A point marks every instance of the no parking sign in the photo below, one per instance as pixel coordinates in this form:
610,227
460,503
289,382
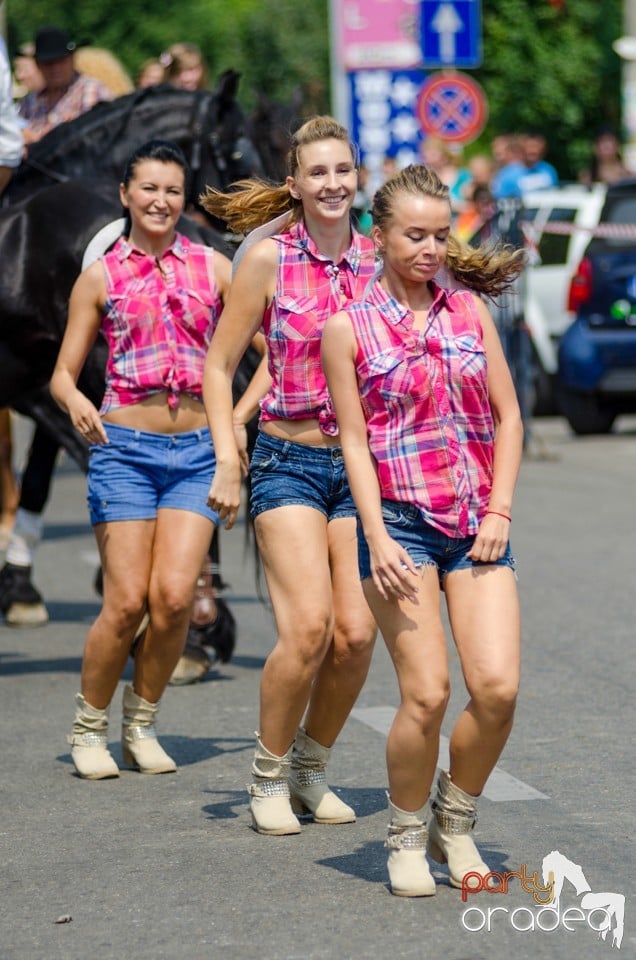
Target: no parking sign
452,107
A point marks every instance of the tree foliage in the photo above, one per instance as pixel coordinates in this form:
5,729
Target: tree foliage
546,66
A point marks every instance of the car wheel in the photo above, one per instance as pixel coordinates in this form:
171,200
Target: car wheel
584,412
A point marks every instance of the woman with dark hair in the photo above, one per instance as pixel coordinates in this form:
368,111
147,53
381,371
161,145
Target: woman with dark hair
156,297
432,438
300,268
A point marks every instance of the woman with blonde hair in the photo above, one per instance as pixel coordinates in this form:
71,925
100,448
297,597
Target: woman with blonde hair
432,439
299,269
185,67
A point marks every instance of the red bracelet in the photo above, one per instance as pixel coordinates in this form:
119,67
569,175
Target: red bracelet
497,514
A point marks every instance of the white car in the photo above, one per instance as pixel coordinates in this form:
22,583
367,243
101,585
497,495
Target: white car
556,227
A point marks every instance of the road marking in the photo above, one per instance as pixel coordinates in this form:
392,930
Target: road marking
501,786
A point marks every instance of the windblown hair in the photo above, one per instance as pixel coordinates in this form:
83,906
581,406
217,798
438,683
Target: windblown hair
251,203
488,269
103,65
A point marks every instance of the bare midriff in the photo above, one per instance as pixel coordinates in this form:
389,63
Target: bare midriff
154,415
299,431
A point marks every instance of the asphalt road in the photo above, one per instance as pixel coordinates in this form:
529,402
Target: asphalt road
167,867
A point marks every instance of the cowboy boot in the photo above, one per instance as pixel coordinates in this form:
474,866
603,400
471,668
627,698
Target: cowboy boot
409,873
269,793
140,747
89,742
449,841
308,783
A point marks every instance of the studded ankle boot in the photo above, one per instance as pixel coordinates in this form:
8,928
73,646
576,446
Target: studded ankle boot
269,793
89,742
140,747
409,872
308,783
454,817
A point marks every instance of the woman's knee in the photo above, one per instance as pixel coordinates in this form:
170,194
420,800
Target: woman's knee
307,638
354,639
123,608
427,706
496,695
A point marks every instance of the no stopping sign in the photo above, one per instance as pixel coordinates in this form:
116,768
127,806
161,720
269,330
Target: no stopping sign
452,107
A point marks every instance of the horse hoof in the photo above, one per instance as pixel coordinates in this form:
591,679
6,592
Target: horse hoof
192,666
20,602
27,615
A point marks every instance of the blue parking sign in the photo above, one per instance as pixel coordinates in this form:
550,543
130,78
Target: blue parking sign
450,33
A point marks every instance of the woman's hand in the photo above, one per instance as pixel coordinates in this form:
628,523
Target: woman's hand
491,540
393,572
225,493
85,418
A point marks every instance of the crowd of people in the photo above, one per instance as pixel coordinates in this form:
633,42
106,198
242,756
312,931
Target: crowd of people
382,477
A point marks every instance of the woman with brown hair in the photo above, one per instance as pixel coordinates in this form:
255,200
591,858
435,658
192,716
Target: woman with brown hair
299,269
432,439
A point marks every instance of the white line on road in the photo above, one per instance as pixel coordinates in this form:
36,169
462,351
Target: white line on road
500,786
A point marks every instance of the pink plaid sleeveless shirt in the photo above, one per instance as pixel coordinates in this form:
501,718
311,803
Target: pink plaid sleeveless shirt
425,401
309,289
159,319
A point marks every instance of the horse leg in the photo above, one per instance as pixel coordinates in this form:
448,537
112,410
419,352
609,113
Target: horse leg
20,602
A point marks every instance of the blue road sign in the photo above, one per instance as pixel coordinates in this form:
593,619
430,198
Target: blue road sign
383,119
450,33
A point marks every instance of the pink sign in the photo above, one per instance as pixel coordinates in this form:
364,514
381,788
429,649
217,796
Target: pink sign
378,33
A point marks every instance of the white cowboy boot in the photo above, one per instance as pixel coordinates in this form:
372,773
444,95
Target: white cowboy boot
89,742
449,841
409,872
308,783
140,747
269,793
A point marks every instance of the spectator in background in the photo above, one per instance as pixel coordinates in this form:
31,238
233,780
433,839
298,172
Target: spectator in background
150,73
10,136
66,93
185,67
27,76
480,206
436,155
538,173
607,163
506,181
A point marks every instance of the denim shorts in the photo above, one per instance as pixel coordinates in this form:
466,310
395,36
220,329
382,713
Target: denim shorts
285,474
137,473
425,544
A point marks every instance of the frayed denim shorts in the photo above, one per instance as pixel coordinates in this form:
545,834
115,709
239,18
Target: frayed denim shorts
285,474
138,473
425,544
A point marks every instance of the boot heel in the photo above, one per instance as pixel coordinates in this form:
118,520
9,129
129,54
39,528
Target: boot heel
127,757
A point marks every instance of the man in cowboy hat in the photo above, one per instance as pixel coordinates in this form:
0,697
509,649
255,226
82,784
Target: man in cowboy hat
66,93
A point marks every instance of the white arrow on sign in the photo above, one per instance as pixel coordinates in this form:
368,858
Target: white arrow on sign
446,23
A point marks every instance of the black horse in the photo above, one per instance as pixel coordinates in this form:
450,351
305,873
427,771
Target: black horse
43,237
